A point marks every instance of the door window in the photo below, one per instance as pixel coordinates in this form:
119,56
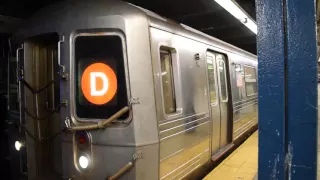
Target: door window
222,76
211,79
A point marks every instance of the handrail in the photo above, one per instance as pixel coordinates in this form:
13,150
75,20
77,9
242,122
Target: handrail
100,124
121,171
59,54
19,84
19,97
8,76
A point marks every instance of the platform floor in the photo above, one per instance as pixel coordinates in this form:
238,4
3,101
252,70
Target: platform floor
242,164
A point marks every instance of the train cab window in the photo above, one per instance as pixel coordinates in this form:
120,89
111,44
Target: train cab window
168,89
100,89
222,76
211,78
250,80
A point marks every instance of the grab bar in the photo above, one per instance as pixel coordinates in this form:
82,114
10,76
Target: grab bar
59,53
19,83
62,74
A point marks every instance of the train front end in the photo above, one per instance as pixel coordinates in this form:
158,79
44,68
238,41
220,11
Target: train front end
87,107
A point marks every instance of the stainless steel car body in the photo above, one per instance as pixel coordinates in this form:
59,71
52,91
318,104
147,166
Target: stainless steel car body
163,146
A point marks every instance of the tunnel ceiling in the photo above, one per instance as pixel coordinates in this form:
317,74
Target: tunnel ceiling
204,15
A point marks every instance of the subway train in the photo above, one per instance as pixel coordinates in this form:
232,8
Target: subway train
109,90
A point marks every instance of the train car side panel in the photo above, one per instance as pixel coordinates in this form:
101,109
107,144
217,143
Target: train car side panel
182,108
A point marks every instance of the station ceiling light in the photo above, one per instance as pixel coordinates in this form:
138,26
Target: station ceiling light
234,9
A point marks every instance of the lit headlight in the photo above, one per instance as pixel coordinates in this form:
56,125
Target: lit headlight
83,162
18,145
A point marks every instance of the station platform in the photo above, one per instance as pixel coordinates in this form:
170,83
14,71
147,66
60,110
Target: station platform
242,164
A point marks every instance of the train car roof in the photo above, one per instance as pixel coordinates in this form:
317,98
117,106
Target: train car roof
166,24
54,16
61,16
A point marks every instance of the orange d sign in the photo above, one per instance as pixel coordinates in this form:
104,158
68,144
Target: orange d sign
99,83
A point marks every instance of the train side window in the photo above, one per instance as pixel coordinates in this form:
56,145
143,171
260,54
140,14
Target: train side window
168,89
222,76
239,77
250,80
211,78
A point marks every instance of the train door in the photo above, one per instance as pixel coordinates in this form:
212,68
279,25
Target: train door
218,96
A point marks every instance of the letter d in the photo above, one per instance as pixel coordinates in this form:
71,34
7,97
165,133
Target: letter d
93,84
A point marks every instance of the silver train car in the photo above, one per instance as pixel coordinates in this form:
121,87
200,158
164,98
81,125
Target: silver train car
109,90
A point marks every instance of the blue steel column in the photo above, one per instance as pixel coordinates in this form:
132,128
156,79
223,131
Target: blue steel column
302,89
287,74
271,87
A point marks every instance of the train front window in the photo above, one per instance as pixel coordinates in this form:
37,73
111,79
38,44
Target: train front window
100,76
250,80
167,82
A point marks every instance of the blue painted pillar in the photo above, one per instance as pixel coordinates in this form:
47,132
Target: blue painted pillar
287,74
